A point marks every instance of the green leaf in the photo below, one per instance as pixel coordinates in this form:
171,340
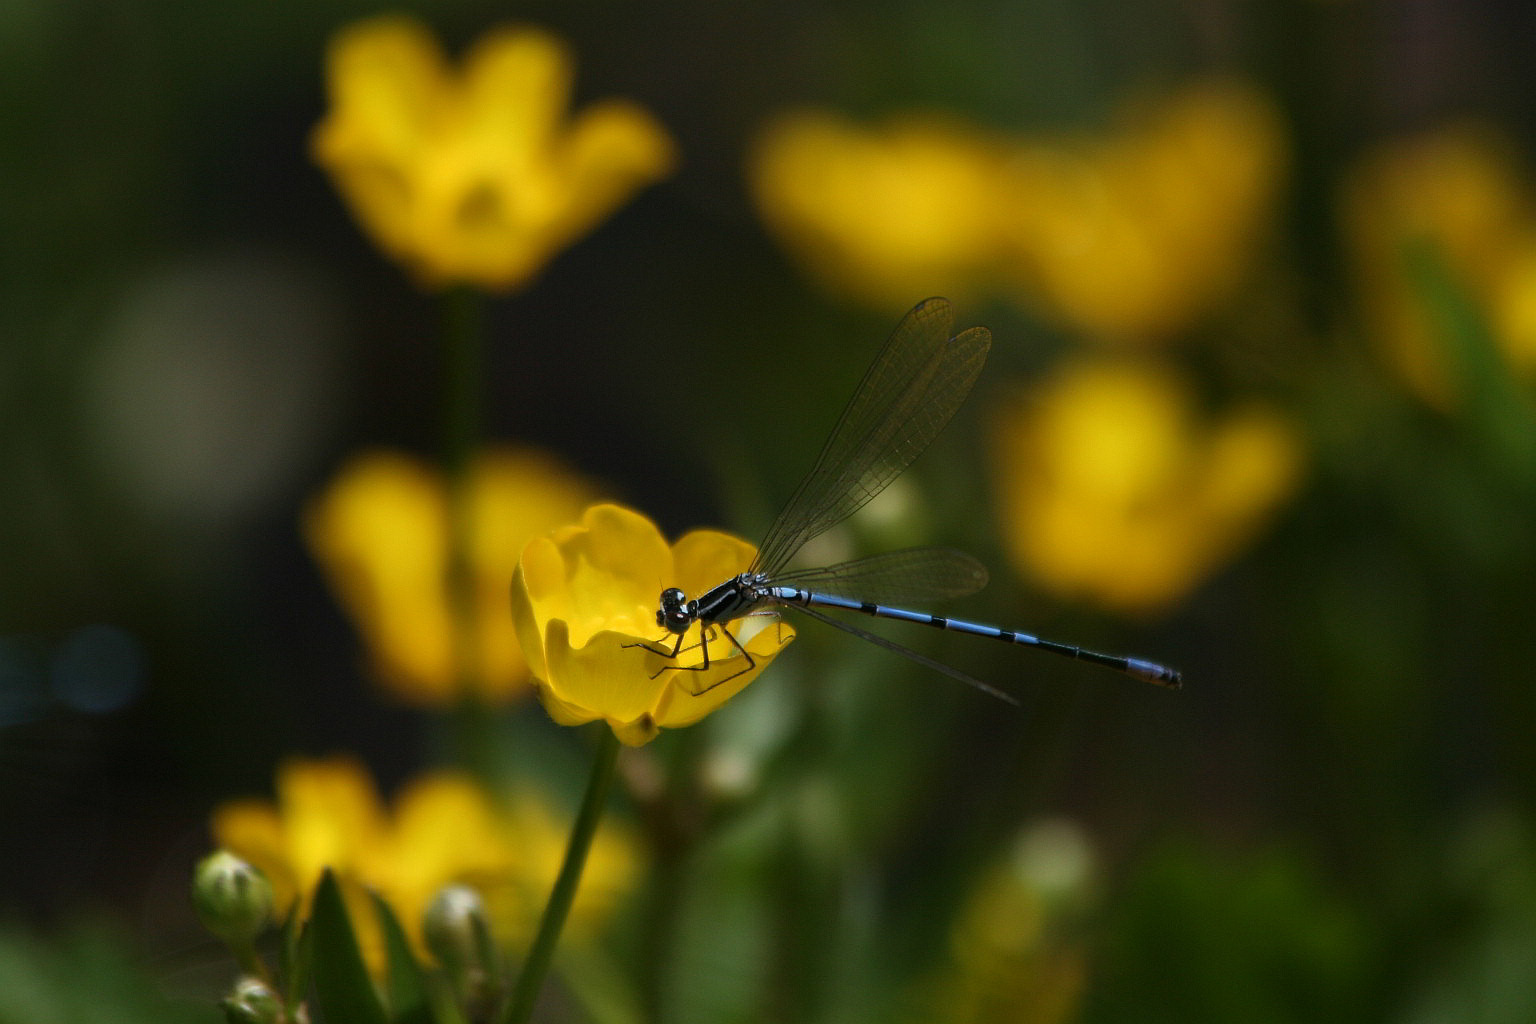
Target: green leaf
407,991
343,990
295,942
1495,405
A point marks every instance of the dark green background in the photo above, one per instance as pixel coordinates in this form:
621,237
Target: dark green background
1333,821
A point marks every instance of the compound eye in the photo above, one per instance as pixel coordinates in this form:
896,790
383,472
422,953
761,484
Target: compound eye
674,613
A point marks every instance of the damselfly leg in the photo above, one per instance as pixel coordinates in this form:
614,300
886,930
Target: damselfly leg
911,391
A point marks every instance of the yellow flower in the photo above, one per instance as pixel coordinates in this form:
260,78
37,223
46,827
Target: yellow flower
443,829
882,213
380,530
1135,235
1130,236
471,175
1111,491
586,591
1457,192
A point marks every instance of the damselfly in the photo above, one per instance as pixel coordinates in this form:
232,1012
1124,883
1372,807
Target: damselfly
910,392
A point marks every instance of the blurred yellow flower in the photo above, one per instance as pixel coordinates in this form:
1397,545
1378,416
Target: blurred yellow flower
884,213
443,829
1112,492
472,175
1460,193
380,531
1130,236
586,591
1135,235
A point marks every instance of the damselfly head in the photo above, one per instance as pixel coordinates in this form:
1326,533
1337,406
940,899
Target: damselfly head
674,614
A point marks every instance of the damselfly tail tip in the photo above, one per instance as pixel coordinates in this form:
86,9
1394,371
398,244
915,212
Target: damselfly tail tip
1151,672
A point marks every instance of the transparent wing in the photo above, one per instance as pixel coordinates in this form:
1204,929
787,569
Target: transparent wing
909,394
912,576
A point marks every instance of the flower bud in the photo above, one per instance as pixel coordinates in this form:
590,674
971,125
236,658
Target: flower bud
252,1001
458,933
232,898
456,928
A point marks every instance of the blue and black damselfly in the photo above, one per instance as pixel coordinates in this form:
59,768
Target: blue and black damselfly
910,392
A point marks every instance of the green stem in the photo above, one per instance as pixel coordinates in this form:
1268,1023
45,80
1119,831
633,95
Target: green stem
525,993
251,963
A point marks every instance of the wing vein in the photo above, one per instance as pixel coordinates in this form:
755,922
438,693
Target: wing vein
917,382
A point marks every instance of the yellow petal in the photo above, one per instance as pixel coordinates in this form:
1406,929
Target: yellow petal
445,825
1135,234
445,830
515,494
473,177
388,85
637,733
907,208
1113,492
251,829
387,78
586,598
331,813
379,532
601,678
539,594
696,694
517,83
611,149
616,567
706,558
562,712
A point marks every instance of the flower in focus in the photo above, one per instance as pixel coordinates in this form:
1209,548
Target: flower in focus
584,592
472,175
380,530
1459,194
1135,235
443,829
1112,492
884,213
